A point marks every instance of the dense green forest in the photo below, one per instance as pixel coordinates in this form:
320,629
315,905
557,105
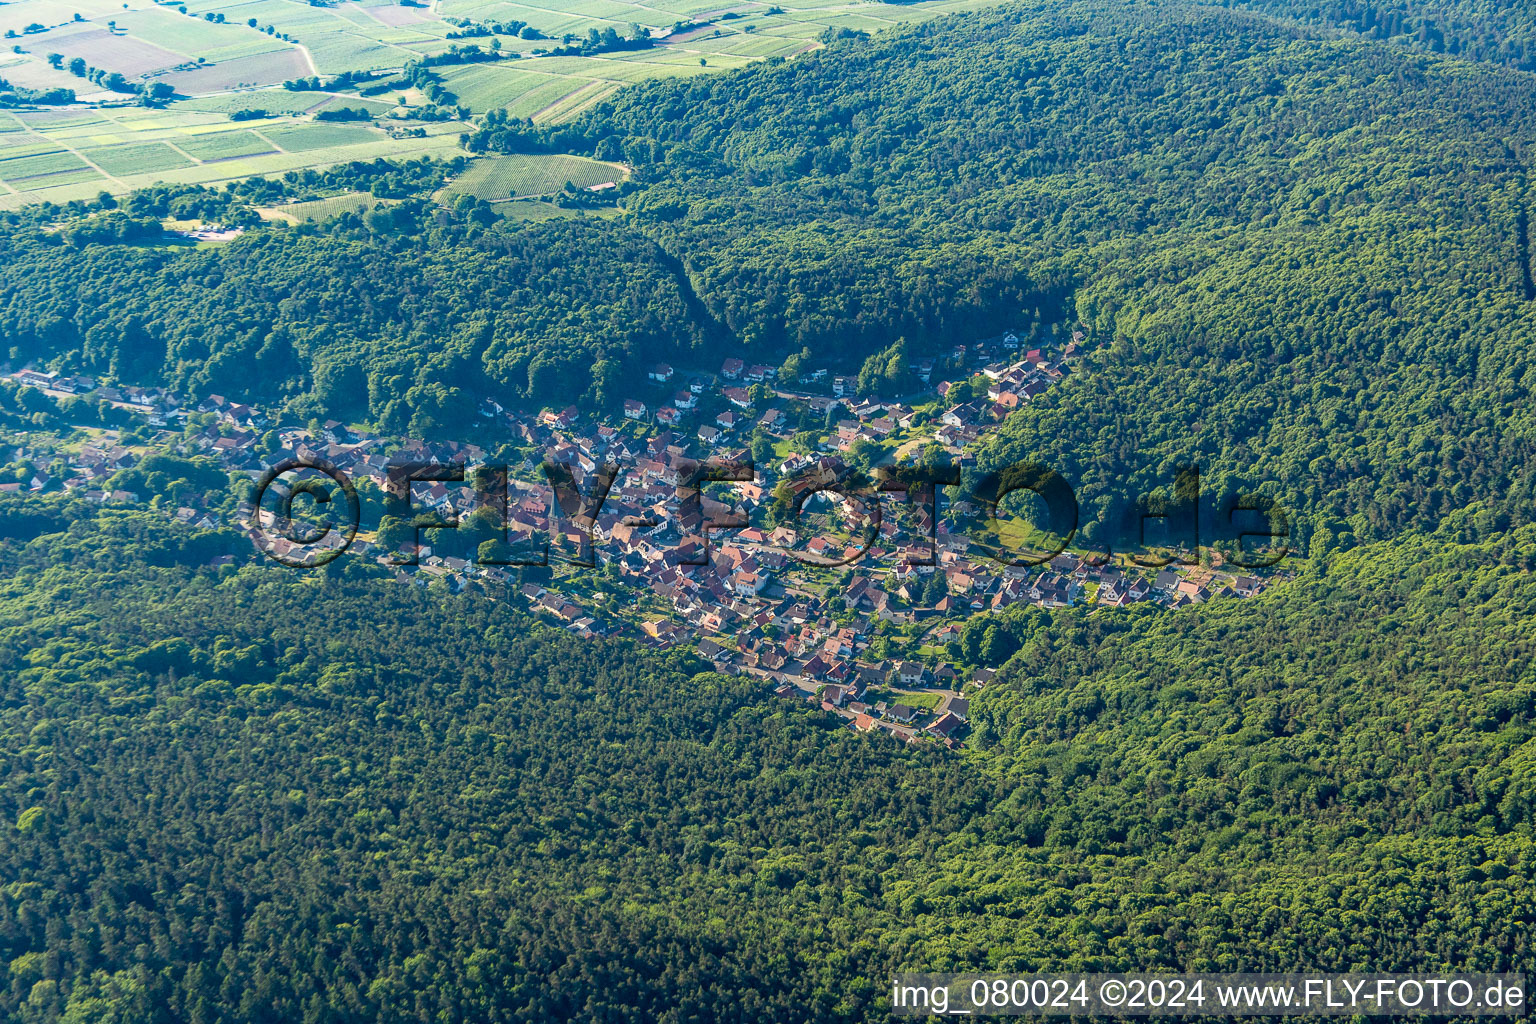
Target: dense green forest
1497,31
247,794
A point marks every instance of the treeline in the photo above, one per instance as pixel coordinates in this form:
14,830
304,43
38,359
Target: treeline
12,96
606,41
554,311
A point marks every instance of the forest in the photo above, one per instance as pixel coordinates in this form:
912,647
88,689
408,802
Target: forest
248,794
243,793
1500,32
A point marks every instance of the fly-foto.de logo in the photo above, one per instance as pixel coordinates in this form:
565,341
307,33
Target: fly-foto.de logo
307,512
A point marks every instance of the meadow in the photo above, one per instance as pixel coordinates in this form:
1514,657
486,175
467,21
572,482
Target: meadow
324,209
522,176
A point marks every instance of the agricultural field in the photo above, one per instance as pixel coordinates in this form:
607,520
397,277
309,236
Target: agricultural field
307,138
344,36
59,155
539,210
140,158
146,42
498,178
324,209
224,56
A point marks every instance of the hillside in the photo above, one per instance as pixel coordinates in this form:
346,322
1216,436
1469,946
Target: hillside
236,793
1308,258
437,807
1501,32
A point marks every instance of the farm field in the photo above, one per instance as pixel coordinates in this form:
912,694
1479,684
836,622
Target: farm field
557,88
141,158
324,209
538,210
224,56
59,155
146,42
506,177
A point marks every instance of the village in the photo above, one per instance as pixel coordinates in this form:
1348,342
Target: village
868,617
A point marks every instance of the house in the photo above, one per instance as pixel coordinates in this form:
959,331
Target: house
908,673
1113,596
714,652
634,410
900,713
563,419
872,675
748,584
957,706
945,724
738,397
727,420
1192,590
684,399
668,416
660,373
731,369
959,416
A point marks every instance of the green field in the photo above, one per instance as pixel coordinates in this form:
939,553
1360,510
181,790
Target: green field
143,158
307,138
13,168
274,101
324,209
499,178
44,153
223,145
192,139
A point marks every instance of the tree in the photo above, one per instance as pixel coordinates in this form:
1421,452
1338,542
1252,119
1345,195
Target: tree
793,365
762,449
394,532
